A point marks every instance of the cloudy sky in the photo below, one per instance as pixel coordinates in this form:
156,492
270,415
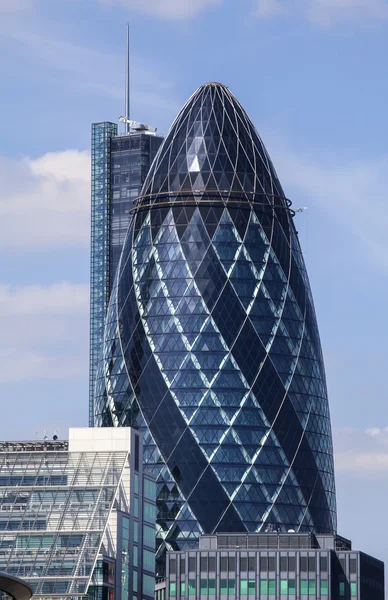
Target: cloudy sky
313,76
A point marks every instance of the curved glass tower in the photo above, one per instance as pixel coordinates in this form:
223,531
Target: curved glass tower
211,341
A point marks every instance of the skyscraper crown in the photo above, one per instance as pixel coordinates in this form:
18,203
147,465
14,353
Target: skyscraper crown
213,148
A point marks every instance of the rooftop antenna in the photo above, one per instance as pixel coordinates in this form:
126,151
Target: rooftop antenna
127,85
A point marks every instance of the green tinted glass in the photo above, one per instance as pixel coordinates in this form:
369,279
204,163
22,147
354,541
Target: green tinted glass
303,587
324,589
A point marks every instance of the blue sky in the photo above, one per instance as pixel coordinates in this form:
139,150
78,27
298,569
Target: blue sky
313,76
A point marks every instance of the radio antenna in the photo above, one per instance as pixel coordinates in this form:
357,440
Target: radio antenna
127,85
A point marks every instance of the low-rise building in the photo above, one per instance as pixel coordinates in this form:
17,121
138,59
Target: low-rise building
77,517
274,566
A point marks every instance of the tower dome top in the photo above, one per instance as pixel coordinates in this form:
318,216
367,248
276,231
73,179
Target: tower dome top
213,146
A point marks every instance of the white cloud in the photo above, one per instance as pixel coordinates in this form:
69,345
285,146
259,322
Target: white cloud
352,193
44,331
167,9
22,366
270,8
45,201
363,454
57,299
326,12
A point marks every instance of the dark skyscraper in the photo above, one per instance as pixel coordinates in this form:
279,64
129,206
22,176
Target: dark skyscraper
120,164
211,344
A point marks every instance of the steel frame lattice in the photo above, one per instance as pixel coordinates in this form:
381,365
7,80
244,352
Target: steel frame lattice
211,342
54,509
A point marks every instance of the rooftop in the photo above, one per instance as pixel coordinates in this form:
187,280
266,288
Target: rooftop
35,446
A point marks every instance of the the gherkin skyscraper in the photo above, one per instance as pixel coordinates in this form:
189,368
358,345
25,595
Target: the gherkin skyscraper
211,341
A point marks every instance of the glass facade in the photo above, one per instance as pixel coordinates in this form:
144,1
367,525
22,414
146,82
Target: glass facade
119,167
211,342
102,133
68,519
131,158
273,567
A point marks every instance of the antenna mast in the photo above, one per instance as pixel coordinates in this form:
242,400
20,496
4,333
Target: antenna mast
127,85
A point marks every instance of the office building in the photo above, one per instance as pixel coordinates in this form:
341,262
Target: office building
274,566
77,517
211,343
120,164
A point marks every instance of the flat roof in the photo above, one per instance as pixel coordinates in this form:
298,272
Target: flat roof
35,446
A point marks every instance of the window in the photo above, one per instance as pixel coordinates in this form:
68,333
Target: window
136,486
243,586
342,589
149,489
212,587
323,563
172,588
149,585
172,566
135,556
284,586
311,563
252,587
243,563
203,586
231,586
183,566
353,565
183,588
149,511
283,563
135,531
191,587
264,586
312,587
149,534
134,581
303,587
353,589
136,507
148,560
137,452
291,587
192,563
224,586
271,587
324,588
